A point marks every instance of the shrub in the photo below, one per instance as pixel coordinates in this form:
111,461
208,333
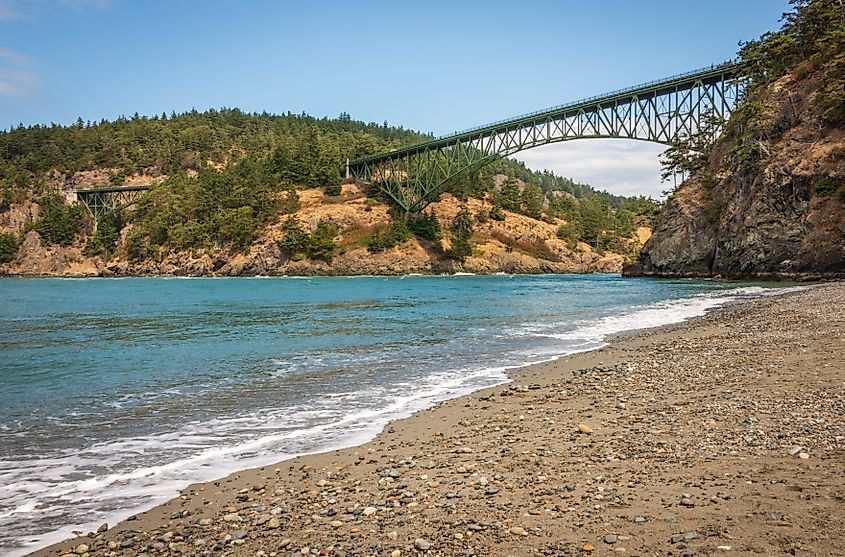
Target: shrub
321,244
238,226
826,186
569,232
482,216
334,189
6,199
135,246
426,226
397,233
105,238
58,223
8,246
496,213
295,240
291,204
461,233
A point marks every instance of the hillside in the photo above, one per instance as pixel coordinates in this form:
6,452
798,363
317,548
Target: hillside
768,200
516,244
240,194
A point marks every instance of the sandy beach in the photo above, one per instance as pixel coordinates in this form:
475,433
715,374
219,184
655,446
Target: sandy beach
721,436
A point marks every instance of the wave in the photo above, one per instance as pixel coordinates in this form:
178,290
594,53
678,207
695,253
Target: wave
75,484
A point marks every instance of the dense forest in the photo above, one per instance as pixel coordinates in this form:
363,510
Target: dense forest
227,174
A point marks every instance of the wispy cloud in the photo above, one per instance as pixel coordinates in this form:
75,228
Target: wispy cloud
622,167
17,76
13,10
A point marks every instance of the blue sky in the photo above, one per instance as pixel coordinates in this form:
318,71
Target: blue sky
433,66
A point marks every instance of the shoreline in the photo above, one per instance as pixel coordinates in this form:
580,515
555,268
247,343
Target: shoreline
445,419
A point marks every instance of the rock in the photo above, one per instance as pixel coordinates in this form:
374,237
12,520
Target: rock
395,553
369,511
231,517
491,491
518,531
688,553
610,539
639,520
794,450
274,523
421,544
687,502
205,522
677,538
803,456
103,527
584,428
80,549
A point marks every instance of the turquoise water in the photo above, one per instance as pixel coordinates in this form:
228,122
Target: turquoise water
115,393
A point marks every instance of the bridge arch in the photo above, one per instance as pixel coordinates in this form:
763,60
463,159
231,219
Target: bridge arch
657,112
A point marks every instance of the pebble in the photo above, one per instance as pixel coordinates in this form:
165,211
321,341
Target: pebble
687,502
518,531
610,539
584,428
421,544
370,511
80,549
794,450
639,520
274,523
803,456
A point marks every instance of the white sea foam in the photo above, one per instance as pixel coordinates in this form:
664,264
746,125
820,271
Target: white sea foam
205,450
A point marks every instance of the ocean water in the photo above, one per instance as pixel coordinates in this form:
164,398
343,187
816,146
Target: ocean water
116,393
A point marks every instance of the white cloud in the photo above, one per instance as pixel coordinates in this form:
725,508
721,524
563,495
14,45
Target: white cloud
17,78
620,166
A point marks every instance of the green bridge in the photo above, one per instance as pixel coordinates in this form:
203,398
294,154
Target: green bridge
415,176
101,201
658,111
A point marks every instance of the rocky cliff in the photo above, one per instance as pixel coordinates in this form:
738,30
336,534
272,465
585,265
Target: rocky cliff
768,204
517,244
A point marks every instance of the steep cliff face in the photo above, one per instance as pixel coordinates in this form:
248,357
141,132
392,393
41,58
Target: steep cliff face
779,213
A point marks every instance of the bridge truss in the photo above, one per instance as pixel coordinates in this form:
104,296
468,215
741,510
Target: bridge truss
102,201
658,111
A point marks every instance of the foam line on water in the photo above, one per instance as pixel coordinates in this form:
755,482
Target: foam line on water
215,454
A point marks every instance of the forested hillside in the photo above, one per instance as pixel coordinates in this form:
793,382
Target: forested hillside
220,178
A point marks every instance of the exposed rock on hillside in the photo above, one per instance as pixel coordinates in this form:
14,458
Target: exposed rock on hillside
781,217
518,244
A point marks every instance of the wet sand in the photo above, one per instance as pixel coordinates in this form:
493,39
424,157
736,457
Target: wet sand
721,436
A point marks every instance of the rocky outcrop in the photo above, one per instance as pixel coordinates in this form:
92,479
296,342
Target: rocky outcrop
518,245
781,217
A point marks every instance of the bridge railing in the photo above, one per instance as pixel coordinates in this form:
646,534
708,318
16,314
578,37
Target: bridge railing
722,66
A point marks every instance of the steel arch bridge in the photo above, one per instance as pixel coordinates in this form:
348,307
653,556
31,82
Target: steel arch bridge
658,111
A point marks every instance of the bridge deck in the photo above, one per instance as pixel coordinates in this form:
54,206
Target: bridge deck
115,189
712,74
